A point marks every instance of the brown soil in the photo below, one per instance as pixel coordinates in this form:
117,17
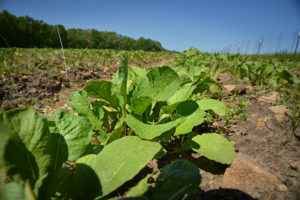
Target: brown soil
27,89
260,136
47,90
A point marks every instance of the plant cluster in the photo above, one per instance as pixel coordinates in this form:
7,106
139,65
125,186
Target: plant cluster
131,121
25,61
119,126
264,72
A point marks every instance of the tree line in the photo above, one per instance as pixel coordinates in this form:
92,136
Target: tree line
26,32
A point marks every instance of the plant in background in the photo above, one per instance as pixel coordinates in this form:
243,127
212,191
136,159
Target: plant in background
238,112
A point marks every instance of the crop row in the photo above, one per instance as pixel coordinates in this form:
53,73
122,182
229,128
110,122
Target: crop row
131,120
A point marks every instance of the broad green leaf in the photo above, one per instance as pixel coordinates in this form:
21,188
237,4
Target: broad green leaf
29,195
101,89
140,189
161,83
147,131
191,115
82,184
169,109
139,104
48,185
17,191
182,94
12,190
61,154
214,147
134,198
135,76
121,160
216,106
214,90
120,84
195,71
31,150
4,135
137,72
80,103
203,83
88,159
288,76
175,180
76,130
183,75
117,133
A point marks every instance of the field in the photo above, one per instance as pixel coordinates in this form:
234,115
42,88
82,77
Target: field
108,124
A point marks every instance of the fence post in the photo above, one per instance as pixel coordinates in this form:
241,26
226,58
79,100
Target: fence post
298,36
278,43
62,48
246,50
238,48
3,38
259,46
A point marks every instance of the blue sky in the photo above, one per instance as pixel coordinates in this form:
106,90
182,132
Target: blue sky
178,24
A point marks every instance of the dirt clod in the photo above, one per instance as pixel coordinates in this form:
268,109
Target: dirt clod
271,98
281,188
248,176
280,112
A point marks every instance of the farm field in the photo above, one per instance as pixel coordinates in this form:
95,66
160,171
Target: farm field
109,124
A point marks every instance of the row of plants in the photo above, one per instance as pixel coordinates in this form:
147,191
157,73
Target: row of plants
136,117
133,119
18,61
264,72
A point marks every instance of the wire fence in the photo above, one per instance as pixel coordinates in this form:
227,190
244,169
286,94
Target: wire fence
287,43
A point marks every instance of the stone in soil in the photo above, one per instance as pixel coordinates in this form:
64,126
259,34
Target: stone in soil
280,112
246,175
270,98
261,123
295,165
230,88
281,188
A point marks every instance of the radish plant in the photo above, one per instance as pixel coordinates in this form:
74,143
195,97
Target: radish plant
133,116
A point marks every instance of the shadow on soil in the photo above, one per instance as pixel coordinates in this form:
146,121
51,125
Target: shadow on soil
220,194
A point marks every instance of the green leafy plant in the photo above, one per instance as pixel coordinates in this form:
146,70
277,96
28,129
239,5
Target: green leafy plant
133,117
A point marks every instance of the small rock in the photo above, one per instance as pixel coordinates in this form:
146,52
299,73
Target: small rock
33,91
87,75
295,165
280,112
267,155
297,131
261,123
254,115
230,88
25,78
240,131
281,188
246,175
196,155
291,181
270,99
153,164
243,89
268,196
275,167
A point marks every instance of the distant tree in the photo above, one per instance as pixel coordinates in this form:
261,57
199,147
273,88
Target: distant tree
26,32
